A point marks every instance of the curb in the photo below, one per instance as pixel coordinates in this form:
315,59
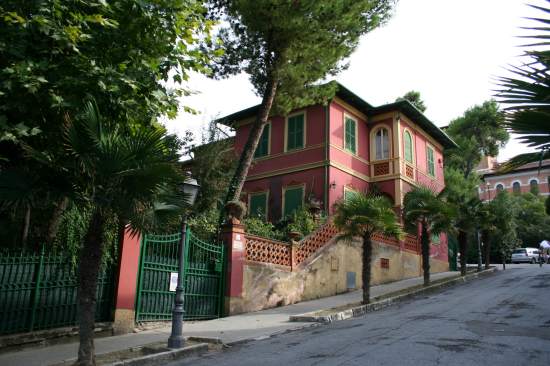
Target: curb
363,309
171,355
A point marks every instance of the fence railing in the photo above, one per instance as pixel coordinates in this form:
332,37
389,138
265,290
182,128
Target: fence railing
39,291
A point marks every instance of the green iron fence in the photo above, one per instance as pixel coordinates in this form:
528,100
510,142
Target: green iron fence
203,278
39,291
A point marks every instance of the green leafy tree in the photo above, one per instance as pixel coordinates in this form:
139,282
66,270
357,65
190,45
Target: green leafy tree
461,193
479,132
111,171
533,224
422,206
287,48
363,216
502,226
130,56
414,97
527,94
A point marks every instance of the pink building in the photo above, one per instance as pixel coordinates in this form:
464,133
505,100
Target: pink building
533,177
324,152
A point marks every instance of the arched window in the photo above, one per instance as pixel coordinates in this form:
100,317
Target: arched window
499,188
534,186
382,144
516,188
408,146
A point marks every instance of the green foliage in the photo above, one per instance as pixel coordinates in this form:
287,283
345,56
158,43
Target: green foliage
533,224
547,205
414,97
303,222
502,225
296,44
422,205
259,227
213,166
205,224
364,215
527,95
479,132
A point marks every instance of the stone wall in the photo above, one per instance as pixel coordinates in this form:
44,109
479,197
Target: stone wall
324,274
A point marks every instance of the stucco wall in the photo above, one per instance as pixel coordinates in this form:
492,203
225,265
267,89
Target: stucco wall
267,286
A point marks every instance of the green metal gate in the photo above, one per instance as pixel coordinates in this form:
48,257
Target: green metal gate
452,247
39,291
203,275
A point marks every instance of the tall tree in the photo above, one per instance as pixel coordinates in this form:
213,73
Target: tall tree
422,206
527,94
479,132
414,97
287,48
502,225
363,216
54,54
112,171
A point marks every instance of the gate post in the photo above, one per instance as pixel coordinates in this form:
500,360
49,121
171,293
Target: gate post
128,270
234,241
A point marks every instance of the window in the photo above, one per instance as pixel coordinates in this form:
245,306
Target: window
435,239
516,188
263,145
499,188
534,186
295,132
382,144
258,205
293,198
430,162
408,146
349,193
350,127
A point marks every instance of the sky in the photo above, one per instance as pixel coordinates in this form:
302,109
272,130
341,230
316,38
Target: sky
450,51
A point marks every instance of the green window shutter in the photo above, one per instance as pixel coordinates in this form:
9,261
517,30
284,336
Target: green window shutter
349,193
430,161
263,145
435,239
258,203
293,200
349,136
408,147
295,132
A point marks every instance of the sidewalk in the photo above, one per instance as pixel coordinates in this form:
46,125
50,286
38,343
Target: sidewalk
230,330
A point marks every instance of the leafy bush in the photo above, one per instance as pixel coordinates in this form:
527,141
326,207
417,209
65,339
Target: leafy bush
302,221
259,227
205,225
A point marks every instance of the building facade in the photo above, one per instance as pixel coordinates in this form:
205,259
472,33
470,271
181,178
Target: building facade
321,153
533,177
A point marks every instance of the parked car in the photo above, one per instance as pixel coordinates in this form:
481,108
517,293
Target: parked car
525,255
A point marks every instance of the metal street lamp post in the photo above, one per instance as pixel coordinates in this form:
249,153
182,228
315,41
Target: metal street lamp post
176,340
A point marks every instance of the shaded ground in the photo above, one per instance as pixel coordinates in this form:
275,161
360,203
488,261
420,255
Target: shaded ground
500,320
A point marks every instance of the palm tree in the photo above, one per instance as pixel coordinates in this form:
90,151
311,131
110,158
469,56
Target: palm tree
528,94
362,216
115,172
422,206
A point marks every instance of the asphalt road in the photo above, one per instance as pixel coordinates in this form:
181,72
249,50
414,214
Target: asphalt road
503,319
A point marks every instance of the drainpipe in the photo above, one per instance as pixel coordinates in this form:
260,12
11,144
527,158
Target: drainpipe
326,188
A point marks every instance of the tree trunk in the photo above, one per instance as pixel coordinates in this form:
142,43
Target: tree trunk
237,182
26,226
55,219
503,261
90,261
487,247
425,242
366,271
462,244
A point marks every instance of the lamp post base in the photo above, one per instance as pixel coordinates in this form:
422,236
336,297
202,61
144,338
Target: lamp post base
176,342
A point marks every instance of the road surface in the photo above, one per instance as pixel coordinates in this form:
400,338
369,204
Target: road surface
503,319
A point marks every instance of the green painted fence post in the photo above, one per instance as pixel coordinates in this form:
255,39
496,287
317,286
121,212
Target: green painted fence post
36,296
